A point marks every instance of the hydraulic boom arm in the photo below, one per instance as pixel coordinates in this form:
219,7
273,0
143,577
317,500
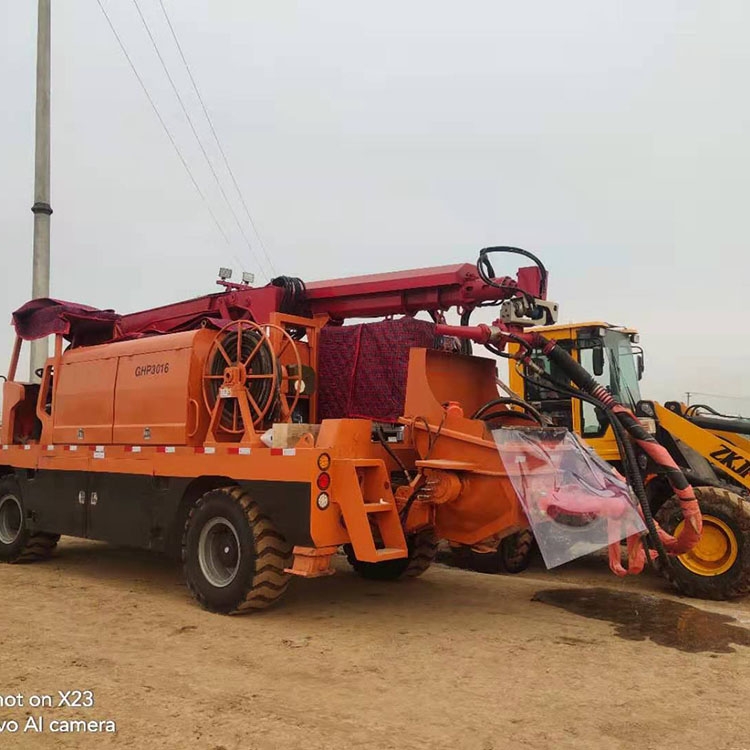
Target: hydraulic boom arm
435,290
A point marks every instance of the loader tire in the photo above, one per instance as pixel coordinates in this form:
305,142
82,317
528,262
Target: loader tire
719,566
422,548
17,543
233,557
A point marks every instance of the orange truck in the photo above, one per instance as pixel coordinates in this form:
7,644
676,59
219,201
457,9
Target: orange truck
254,434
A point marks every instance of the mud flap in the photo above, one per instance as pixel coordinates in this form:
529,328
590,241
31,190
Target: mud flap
575,502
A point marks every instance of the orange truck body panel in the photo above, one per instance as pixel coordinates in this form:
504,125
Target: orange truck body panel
146,390
488,504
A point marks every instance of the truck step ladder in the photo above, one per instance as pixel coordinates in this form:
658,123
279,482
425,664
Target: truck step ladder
366,500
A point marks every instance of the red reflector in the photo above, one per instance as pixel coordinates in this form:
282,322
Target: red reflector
324,481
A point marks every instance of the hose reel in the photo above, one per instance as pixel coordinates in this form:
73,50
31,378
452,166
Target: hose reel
252,377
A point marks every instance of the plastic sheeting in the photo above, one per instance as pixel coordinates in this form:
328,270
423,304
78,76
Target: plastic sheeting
576,503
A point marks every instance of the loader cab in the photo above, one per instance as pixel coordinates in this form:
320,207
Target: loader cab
613,358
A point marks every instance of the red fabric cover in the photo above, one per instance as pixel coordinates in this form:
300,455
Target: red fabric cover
80,324
160,328
85,326
362,368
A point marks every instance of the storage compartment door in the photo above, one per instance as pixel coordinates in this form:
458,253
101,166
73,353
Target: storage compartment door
151,399
83,408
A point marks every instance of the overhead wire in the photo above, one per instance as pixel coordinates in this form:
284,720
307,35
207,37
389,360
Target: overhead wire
718,395
216,138
197,137
163,123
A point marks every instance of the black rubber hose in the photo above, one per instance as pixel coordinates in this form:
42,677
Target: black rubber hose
487,272
636,482
738,425
384,442
508,401
511,413
466,347
693,409
293,300
578,374
586,382
260,389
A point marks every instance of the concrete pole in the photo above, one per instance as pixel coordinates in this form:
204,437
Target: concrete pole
41,208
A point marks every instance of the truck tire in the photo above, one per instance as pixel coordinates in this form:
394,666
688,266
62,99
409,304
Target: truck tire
515,551
490,563
233,557
512,556
422,548
719,566
17,543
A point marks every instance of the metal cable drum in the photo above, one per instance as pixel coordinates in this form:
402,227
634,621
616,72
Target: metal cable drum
253,349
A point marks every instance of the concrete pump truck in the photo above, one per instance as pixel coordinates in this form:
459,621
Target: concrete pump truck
254,434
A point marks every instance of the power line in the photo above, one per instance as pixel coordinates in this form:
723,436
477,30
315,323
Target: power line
216,138
717,395
197,137
163,124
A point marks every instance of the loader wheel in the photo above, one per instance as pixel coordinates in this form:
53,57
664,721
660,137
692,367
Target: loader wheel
422,548
17,543
718,567
233,557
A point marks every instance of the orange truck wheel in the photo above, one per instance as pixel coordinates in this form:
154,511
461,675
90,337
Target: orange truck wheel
234,559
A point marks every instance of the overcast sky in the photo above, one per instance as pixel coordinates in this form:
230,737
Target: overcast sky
610,138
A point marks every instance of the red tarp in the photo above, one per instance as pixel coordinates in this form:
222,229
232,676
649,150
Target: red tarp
86,326
80,324
362,369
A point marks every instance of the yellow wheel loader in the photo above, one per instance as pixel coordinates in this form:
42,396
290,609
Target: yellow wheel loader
713,450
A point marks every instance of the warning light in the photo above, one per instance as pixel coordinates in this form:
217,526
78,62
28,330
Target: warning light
324,481
324,461
323,501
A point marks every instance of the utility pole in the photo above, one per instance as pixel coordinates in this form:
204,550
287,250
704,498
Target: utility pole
687,393
41,208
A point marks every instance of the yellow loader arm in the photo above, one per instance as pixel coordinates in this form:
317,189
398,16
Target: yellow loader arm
730,456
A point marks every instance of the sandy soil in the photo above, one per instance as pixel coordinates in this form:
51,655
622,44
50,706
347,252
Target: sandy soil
452,660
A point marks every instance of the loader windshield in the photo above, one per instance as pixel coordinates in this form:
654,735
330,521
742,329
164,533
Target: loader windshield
623,371
608,355
618,374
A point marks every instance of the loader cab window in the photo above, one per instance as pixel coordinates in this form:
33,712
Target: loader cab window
593,421
612,361
553,403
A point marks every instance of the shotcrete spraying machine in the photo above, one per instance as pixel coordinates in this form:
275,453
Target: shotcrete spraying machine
257,435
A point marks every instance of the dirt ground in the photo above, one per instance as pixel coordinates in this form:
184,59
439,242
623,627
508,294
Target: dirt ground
452,660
